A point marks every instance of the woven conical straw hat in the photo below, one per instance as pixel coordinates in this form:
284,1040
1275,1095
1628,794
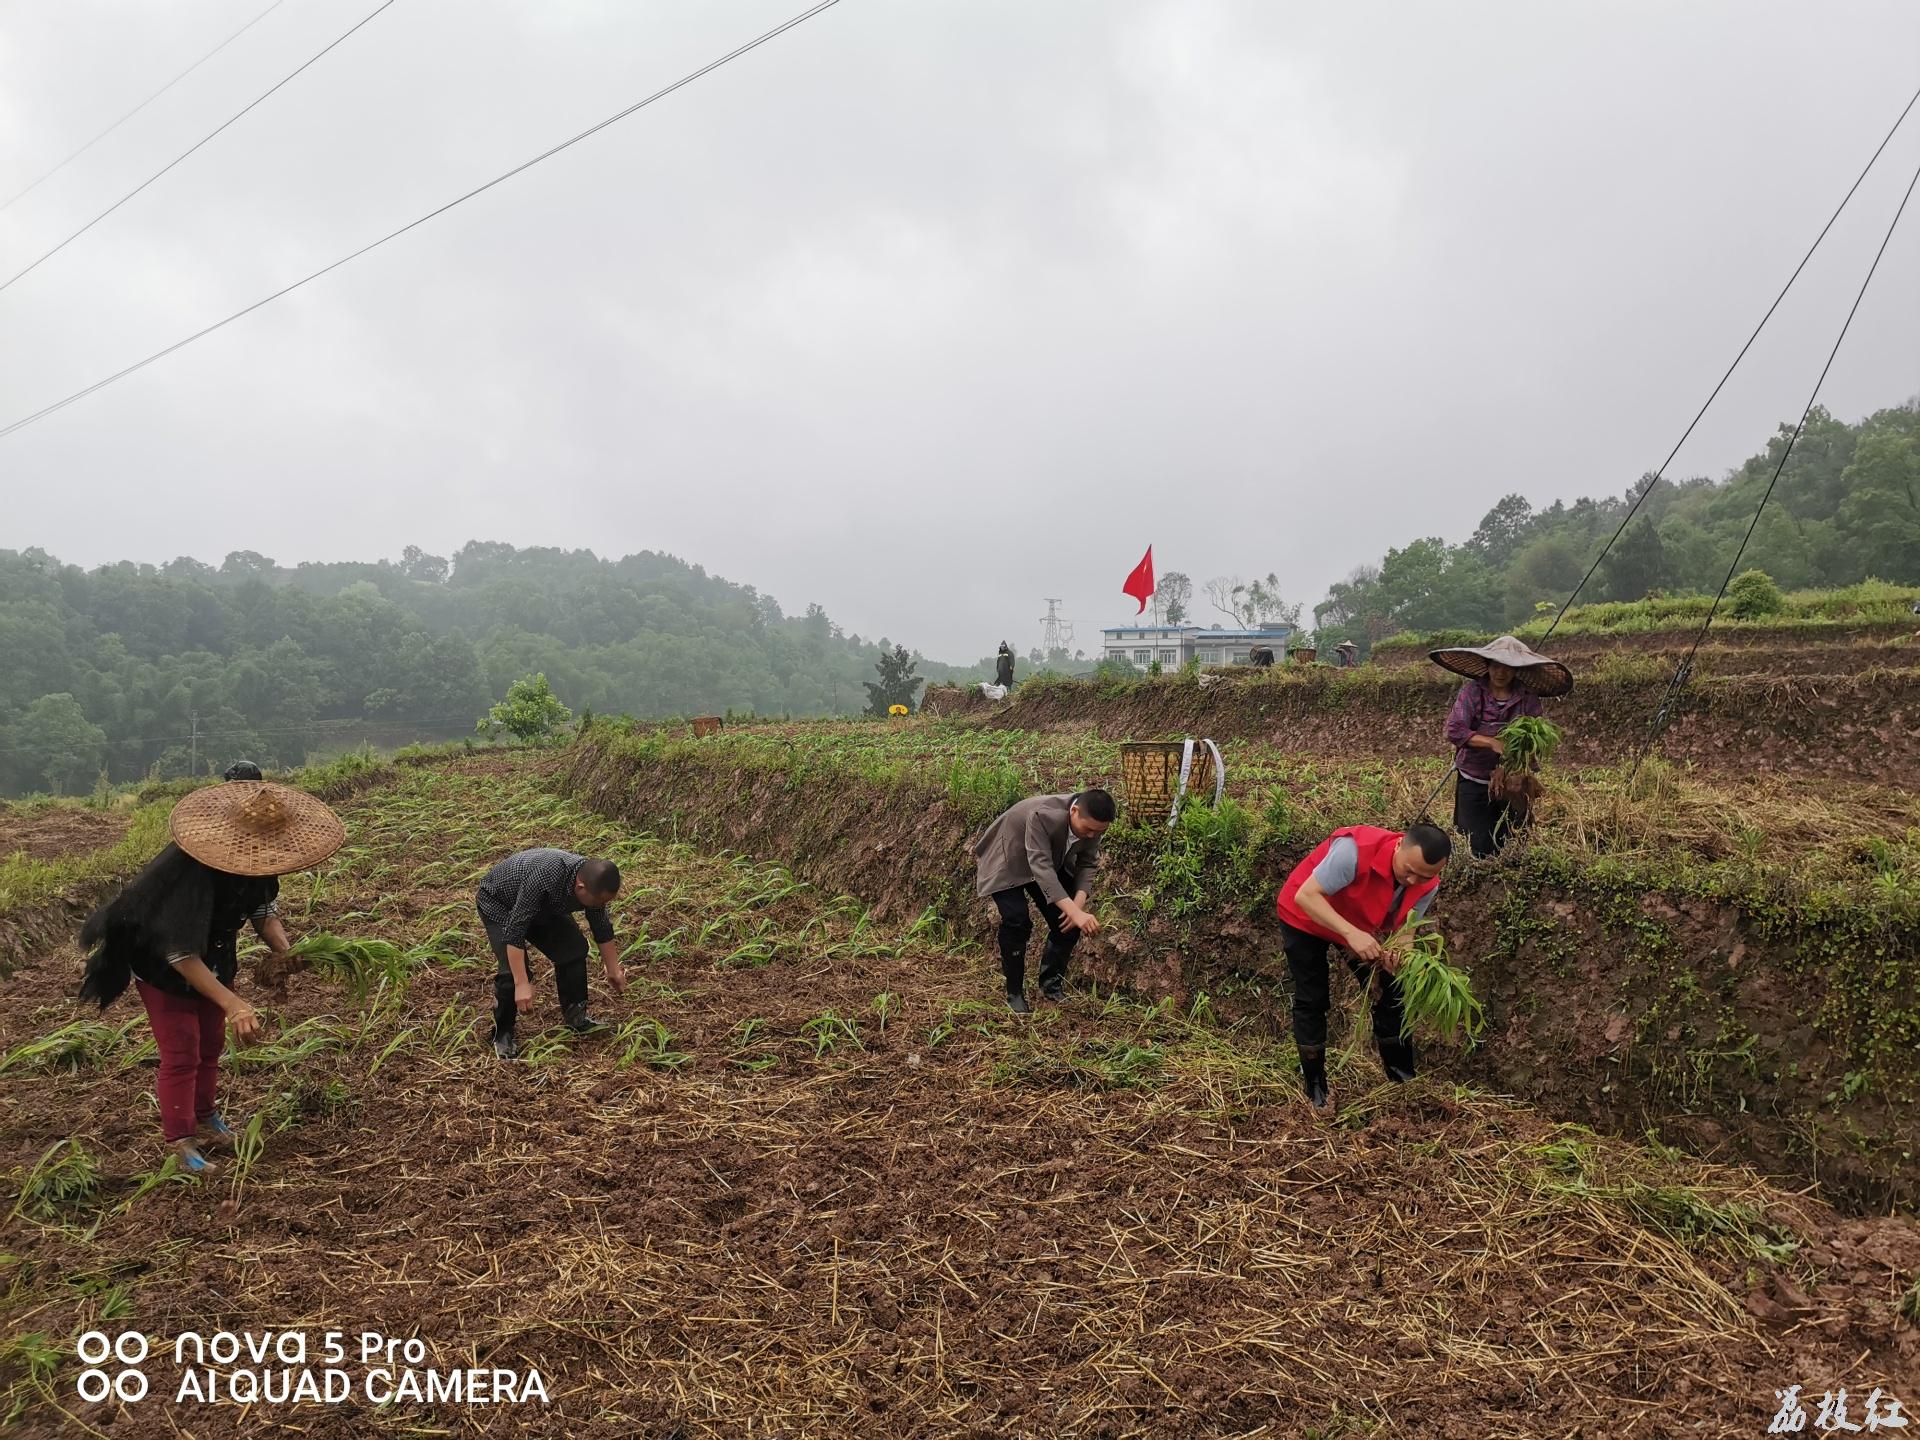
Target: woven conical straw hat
1531,670
254,827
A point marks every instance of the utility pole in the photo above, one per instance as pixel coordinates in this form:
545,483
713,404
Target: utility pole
1055,633
193,763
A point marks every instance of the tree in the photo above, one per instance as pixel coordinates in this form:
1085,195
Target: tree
1881,515
416,564
1502,530
531,713
1636,566
1252,604
55,743
1176,593
1546,569
897,682
240,564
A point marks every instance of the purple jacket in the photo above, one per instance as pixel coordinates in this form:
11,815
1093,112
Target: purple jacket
1476,712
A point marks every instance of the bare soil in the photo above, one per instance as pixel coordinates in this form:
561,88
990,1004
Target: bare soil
50,832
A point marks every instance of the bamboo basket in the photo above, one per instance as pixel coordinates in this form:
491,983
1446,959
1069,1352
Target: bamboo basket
705,725
1304,655
1151,779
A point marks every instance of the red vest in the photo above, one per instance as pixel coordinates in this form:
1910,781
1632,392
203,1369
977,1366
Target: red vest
1365,902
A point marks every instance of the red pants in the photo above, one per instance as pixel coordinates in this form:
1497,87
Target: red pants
191,1031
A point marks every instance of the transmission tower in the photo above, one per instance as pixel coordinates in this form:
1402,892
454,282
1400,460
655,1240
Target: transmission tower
1055,633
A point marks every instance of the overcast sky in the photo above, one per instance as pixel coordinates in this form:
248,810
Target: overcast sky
932,308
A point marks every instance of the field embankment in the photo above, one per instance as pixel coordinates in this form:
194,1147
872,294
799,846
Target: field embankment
1737,970
1862,726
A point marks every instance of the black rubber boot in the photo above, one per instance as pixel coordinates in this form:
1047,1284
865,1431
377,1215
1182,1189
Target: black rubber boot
1396,1058
1017,1003
580,1021
1313,1072
504,1045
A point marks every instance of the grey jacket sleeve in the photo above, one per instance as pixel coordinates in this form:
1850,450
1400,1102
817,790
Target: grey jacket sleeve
1040,859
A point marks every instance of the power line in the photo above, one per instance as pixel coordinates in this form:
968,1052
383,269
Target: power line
1647,489
311,60
613,119
1685,667
146,102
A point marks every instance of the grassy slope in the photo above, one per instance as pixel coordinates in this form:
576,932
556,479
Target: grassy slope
814,1186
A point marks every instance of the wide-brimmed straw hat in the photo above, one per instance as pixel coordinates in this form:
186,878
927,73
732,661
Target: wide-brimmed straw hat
1531,670
254,827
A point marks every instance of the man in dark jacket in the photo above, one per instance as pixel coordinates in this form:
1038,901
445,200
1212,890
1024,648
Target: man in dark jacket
528,901
1043,850
1003,665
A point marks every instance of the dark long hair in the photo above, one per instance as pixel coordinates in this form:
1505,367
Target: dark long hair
165,909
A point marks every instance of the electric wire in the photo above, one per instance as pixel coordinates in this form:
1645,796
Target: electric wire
230,120
591,130
144,103
1647,488
1684,669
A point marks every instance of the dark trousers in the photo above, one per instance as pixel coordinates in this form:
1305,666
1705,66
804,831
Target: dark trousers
559,939
1486,822
1016,929
1307,963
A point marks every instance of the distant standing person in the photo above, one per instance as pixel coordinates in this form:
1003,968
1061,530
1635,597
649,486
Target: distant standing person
1346,655
175,931
1044,851
1505,680
527,902
1357,885
1003,666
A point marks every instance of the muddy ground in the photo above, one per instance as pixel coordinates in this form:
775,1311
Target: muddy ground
841,1192
48,832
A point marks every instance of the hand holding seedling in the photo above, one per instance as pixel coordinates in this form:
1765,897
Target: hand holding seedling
616,976
1364,946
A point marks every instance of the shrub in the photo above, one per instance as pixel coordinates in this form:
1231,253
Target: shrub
1753,595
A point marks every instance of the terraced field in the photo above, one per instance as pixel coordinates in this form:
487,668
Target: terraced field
812,1183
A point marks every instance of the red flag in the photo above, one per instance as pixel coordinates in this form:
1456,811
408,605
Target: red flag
1140,583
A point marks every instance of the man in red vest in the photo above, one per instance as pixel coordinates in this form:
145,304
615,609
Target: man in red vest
1358,884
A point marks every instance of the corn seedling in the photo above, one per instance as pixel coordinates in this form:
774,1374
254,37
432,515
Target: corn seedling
1528,743
29,1359
295,1045
82,1045
648,1042
357,964
544,1050
884,1004
145,1184
399,1042
1910,1304
829,1030
63,1182
1436,998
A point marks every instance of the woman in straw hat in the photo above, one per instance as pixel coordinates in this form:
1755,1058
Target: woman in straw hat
175,931
1505,680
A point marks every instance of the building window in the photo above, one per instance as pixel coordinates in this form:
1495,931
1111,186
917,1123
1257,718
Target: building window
1209,657
1143,657
1169,657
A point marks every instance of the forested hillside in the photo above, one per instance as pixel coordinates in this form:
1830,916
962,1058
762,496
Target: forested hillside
1847,507
116,668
